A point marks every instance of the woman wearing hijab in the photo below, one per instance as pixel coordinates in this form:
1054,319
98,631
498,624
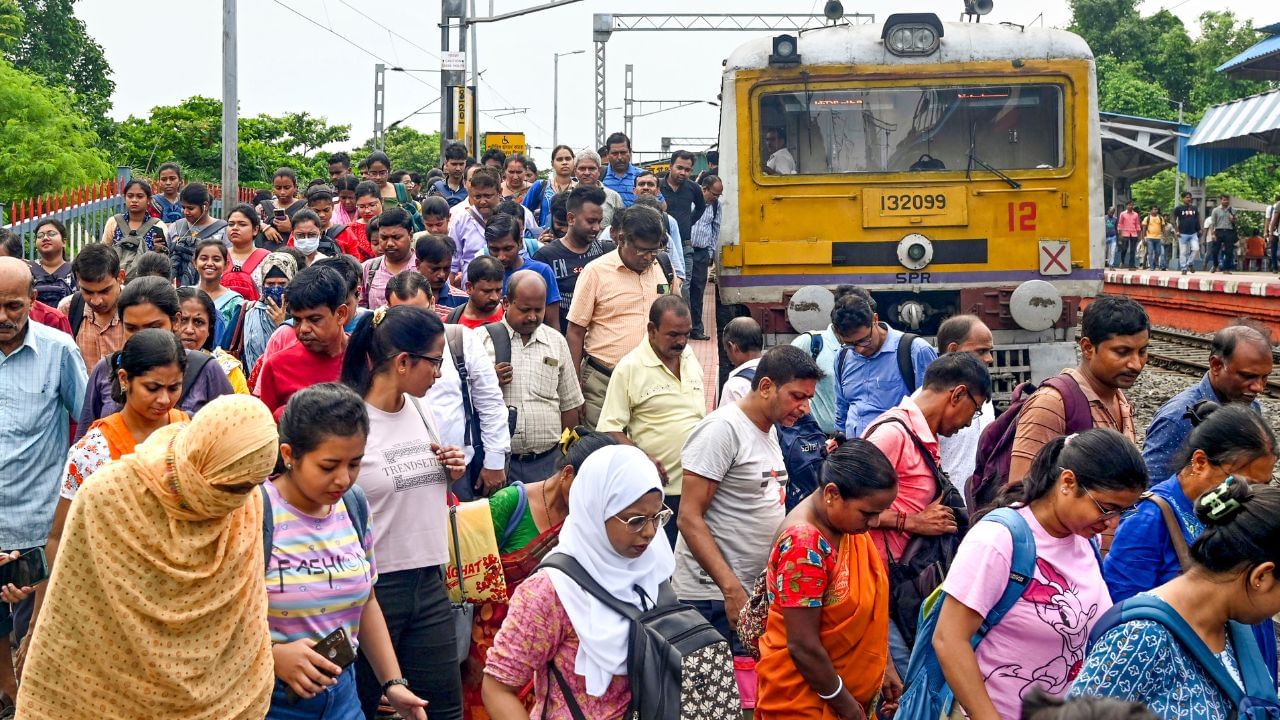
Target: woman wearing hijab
156,605
263,317
614,515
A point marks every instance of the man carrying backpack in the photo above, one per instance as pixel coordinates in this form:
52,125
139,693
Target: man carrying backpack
734,489
921,529
1114,335
877,365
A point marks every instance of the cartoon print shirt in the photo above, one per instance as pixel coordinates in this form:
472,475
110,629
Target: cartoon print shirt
1042,640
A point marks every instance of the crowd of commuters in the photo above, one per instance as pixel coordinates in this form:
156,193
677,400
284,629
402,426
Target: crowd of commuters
252,451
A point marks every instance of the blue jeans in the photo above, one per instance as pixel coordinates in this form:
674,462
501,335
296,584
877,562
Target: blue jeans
1155,249
899,653
1111,251
416,608
1188,249
336,702
713,611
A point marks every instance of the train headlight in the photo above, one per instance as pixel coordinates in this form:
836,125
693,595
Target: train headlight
915,251
785,51
912,33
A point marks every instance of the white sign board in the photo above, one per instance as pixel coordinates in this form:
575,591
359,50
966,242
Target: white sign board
453,61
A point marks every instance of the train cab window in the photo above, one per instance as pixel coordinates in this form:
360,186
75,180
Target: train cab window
901,129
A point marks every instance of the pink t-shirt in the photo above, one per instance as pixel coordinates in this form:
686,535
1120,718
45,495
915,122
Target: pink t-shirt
917,485
377,296
1041,641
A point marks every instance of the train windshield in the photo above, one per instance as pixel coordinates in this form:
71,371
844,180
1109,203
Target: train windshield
908,129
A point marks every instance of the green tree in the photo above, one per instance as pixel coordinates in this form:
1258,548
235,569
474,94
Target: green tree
1124,88
56,46
190,134
44,145
1221,38
11,25
408,149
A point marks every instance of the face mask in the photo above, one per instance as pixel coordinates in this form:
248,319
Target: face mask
306,245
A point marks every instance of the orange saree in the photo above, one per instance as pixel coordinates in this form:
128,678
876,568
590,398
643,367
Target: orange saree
850,585
119,440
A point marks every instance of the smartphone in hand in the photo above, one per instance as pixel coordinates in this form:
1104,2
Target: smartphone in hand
336,648
31,568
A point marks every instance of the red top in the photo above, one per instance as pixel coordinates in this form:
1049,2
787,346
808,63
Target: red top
354,241
465,321
51,317
290,370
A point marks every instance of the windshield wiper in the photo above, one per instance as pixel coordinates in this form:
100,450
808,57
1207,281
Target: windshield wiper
973,158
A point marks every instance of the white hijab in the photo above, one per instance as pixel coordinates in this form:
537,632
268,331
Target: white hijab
611,479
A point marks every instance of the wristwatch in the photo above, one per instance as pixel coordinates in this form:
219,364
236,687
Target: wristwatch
393,681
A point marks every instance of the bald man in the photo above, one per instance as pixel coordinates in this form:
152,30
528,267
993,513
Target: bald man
536,373
959,452
1240,360
42,382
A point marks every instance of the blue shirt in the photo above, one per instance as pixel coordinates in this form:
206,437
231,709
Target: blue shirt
624,185
543,269
869,386
450,196
42,387
1169,431
823,405
448,299
706,229
1142,557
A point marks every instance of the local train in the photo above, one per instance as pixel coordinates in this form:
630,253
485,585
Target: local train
944,167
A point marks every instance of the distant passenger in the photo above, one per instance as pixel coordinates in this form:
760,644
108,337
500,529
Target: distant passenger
1239,365
780,161
965,333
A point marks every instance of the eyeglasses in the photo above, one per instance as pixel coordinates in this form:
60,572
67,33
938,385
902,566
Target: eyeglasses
636,524
377,173
865,342
1109,514
977,406
48,234
437,360
645,252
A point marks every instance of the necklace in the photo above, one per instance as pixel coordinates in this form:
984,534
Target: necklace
546,506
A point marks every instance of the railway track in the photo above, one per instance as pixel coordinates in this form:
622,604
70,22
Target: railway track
1189,354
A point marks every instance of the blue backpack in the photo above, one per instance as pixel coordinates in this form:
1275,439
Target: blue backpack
1257,701
927,695
804,447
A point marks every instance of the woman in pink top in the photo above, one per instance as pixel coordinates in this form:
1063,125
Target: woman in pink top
614,514
1079,487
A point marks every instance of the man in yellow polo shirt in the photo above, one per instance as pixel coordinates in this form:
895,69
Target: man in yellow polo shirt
610,299
655,395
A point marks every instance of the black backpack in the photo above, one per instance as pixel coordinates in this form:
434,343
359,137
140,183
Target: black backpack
926,558
906,367
52,287
679,666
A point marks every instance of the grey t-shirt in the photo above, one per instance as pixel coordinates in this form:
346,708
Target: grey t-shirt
1222,218
748,507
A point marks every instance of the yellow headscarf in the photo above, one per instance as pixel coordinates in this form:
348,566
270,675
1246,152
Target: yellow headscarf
157,605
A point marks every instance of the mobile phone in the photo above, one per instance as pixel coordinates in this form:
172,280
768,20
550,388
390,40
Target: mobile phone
281,214
275,293
336,648
29,569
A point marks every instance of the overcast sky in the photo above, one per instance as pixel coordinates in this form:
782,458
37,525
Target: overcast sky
288,64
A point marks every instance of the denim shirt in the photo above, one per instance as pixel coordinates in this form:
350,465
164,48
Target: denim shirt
1169,431
869,386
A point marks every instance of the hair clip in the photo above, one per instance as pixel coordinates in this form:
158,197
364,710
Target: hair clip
1217,503
1070,437
567,440
378,315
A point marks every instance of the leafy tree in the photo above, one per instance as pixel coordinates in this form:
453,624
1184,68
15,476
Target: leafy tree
408,149
11,25
1123,88
44,145
1221,38
56,46
190,134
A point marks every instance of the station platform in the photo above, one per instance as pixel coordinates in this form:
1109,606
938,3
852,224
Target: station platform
1200,302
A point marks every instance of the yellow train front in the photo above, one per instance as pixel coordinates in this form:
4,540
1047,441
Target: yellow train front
944,167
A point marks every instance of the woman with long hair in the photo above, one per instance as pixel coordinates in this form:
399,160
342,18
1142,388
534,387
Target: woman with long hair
1078,488
51,272
144,235
559,181
211,261
197,321
196,225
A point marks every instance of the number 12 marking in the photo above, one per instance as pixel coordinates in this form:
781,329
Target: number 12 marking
1022,217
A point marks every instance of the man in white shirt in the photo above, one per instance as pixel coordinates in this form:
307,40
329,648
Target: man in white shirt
743,342
965,333
446,399
780,161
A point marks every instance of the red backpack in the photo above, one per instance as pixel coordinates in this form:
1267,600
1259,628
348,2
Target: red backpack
995,447
240,277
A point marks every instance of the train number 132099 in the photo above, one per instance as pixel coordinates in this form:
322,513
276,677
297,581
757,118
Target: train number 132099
912,202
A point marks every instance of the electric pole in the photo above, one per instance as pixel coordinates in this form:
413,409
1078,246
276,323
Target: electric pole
230,111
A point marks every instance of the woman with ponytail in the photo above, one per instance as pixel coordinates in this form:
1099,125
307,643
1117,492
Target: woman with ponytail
392,359
1184,648
1079,486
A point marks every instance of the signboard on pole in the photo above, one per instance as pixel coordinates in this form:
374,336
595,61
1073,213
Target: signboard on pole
509,143
453,61
462,123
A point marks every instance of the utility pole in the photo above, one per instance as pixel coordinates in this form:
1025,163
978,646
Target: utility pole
555,97
230,111
379,104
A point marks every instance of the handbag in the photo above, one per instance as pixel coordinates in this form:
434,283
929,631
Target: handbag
463,612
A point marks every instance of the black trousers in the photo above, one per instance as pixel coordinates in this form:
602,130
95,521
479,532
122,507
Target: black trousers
417,612
696,270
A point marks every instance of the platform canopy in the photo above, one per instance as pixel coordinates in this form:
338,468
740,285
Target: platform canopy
1259,62
1251,123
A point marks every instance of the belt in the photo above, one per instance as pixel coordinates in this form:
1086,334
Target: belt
599,367
534,457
